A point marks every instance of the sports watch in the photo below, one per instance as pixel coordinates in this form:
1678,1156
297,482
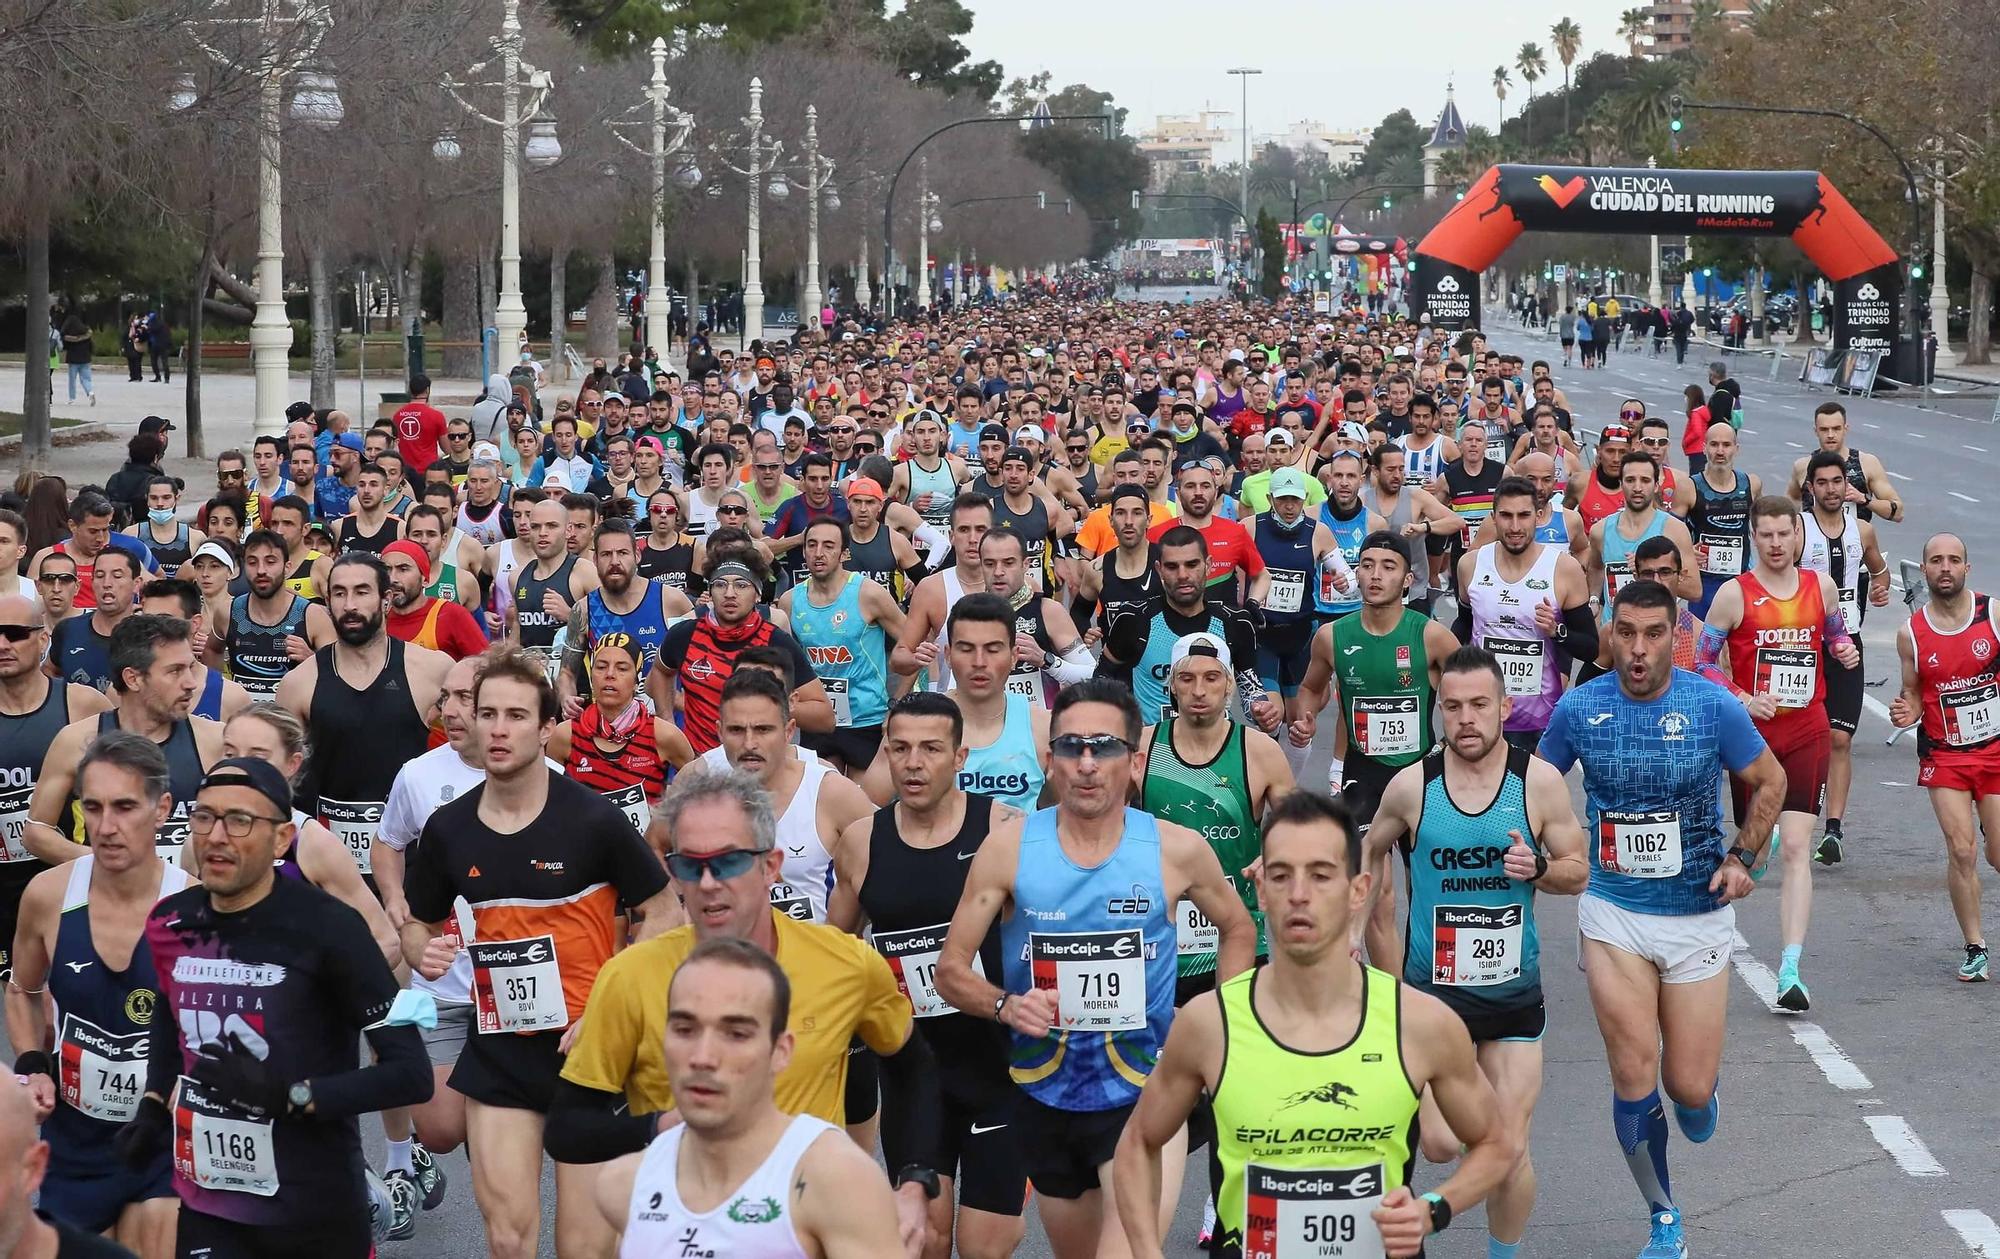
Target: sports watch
300,1096
1440,1212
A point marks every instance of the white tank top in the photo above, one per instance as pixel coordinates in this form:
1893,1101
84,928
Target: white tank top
954,590
1818,557
807,875
701,512
752,1223
485,532
504,569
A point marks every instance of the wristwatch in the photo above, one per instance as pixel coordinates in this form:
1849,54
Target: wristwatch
1440,1212
1745,856
924,1177
1000,1005
300,1096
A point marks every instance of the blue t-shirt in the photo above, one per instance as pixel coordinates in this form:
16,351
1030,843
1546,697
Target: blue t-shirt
1653,769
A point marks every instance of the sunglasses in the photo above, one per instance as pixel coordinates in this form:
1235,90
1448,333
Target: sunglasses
20,633
1078,450
665,509
1631,415
60,578
768,467
723,865
459,437
1071,747
732,511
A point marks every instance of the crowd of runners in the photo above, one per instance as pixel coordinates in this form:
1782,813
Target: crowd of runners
839,798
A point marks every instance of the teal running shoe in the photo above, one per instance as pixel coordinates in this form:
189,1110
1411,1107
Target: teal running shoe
1973,969
1829,851
1792,993
1667,1241
1770,859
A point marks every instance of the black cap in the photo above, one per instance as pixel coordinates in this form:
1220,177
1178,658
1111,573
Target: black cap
1130,491
156,424
261,777
300,410
994,433
1021,453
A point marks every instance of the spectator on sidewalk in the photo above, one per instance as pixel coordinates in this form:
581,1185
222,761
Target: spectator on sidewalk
133,345
77,353
160,344
127,487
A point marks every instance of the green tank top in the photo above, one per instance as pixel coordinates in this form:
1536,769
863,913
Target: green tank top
445,584
1212,799
1385,689
1309,1142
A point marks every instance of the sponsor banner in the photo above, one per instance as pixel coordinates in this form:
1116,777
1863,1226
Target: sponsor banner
1639,199
1449,294
1867,309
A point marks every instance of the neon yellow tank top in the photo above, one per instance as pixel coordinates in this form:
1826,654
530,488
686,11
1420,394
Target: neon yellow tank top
1309,1142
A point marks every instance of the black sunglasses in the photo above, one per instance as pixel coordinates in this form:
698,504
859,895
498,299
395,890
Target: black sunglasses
1071,747
723,865
20,633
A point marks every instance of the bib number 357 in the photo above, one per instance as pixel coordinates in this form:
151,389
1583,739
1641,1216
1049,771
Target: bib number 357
517,985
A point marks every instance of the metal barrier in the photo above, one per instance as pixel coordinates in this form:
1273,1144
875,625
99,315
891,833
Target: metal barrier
1916,593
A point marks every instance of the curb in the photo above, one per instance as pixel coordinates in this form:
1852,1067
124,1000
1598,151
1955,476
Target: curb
90,431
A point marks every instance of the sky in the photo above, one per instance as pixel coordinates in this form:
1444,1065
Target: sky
1320,60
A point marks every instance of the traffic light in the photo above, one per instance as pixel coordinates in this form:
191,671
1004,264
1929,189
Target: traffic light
1674,120
1917,270
1385,201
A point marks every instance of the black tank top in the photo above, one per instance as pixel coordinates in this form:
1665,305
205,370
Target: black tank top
538,628
360,739
875,559
24,742
184,774
350,537
256,651
1717,517
171,555
1125,594
667,565
1033,526
909,897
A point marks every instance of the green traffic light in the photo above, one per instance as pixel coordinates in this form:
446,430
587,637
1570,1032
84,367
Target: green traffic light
1916,271
1675,125
1385,203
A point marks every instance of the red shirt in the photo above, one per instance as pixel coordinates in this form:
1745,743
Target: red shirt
1229,547
1779,649
419,431
442,625
1246,422
1958,680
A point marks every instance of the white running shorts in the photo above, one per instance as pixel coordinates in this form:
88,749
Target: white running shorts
1687,948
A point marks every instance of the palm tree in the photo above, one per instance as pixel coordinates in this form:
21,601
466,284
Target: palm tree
1500,90
1645,104
1633,26
1532,64
1566,38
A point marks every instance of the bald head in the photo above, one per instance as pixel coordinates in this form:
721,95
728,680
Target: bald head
1534,464
1936,544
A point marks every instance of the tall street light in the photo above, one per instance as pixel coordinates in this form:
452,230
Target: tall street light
927,222
288,35
1243,74
819,184
687,176
510,314
760,166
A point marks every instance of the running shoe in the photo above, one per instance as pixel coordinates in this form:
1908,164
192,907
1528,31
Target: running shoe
1792,993
430,1177
1207,1239
1770,859
403,1198
1667,1241
1973,969
381,1207
1828,853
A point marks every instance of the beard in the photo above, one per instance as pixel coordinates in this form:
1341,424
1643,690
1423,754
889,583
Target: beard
358,631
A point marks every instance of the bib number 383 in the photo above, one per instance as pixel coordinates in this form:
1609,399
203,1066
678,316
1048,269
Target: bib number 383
219,1147
517,985
1311,1213
1643,845
1099,978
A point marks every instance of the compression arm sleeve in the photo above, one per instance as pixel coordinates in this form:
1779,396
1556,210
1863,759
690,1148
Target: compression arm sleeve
588,1125
1071,666
399,1076
934,541
1581,642
1835,629
1461,626
910,1128
1707,657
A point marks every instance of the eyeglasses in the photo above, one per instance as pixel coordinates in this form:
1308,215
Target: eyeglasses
237,822
1662,575
768,467
1071,747
723,865
20,633
1653,441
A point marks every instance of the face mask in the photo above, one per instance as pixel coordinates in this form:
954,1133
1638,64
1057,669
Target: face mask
160,515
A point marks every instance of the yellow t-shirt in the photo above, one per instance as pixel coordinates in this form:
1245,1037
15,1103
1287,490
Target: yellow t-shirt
1109,447
841,988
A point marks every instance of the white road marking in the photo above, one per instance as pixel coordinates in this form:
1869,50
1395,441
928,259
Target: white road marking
1832,1061
1977,1230
1795,445
1879,708
1866,424
1754,973
1899,476
1970,446
1967,497
1895,1135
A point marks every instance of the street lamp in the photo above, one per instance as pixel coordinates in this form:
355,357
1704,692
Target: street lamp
289,35
761,165
1243,74
510,314
818,185
927,222
658,304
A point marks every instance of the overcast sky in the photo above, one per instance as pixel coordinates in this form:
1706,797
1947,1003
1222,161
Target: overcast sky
1319,60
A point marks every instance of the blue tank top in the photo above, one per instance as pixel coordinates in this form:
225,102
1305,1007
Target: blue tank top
848,652
940,485
210,703
1618,556
963,442
1101,938
1009,769
1348,535
102,1019
1470,940
647,624
1288,558
1557,528
255,651
1151,677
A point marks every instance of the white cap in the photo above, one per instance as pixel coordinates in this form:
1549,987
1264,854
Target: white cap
1030,433
215,551
486,450
1201,643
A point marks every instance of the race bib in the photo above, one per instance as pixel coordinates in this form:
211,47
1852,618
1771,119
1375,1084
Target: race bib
1028,684
913,956
1850,610
1293,1213
1520,662
219,1147
13,822
1288,591
791,902
631,801
1721,555
1099,978
101,1075
1788,675
1474,946
353,823
1194,934
1970,716
517,985
1386,725
172,835
843,705
1643,845
1617,575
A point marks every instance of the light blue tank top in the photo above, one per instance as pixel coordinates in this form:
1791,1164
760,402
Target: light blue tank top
1009,769
1557,528
939,485
1618,556
1348,534
1102,939
848,652
1470,939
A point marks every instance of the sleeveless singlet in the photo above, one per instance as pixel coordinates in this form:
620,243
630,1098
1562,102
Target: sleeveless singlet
939,674
1309,1142
1033,526
1839,557
1009,769
631,777
348,536
209,703
1413,547
1348,535
1288,559
1120,594
538,627
938,483
1556,528
750,1223
1618,550
1213,800
1423,465
1596,502
1778,650
1385,690
875,559
169,555
848,652
647,624
1719,523
102,1019
301,581
24,744
360,739
1958,680
666,564
184,775
486,531
444,585
1102,939
1024,678
255,651
806,877
1503,622
1470,939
